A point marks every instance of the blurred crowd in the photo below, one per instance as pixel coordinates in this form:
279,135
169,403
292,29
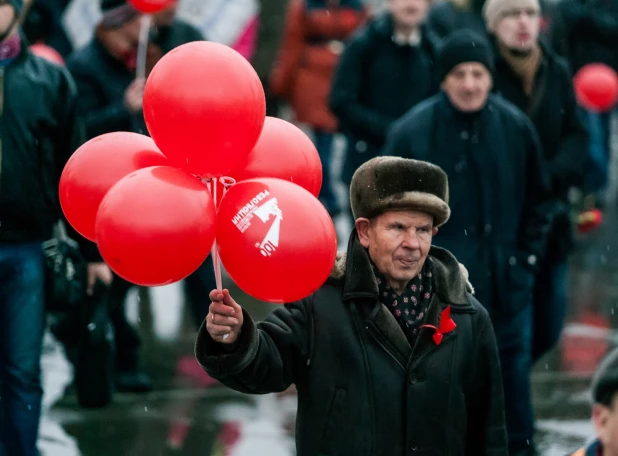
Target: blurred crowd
392,77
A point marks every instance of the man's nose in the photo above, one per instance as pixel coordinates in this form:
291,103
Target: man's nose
411,240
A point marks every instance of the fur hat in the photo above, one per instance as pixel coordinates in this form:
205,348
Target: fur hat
493,10
391,183
464,46
605,380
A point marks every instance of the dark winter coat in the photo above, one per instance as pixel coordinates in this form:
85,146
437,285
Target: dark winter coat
39,131
376,82
499,191
445,17
564,140
586,31
102,81
362,390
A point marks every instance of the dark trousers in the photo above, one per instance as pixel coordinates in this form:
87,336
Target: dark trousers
550,303
324,144
22,322
514,336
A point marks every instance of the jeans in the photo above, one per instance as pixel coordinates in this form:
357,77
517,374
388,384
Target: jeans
514,336
550,302
22,322
599,126
324,144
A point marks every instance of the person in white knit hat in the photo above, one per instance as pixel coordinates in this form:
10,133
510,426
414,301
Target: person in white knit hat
532,77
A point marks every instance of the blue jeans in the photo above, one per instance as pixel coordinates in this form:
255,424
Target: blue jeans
324,144
599,127
550,302
22,317
514,336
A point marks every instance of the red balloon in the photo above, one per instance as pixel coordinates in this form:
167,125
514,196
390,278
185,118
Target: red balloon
151,6
276,240
156,226
283,151
48,53
204,106
596,87
95,168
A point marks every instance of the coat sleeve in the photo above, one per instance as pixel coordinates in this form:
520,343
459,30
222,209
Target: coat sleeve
71,135
266,358
99,118
567,167
288,58
537,214
345,101
487,423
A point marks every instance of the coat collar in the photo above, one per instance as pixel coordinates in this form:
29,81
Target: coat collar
354,268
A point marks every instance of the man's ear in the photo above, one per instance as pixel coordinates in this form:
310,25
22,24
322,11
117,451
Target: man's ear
600,415
434,231
363,226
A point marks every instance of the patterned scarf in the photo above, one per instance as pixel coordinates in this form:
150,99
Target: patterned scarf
524,65
9,49
410,307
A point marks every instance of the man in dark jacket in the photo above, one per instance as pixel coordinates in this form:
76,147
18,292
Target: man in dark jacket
40,130
385,69
537,81
392,355
491,153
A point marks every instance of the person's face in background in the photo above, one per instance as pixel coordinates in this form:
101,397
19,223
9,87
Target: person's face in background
122,41
408,14
468,86
519,28
7,17
166,17
605,420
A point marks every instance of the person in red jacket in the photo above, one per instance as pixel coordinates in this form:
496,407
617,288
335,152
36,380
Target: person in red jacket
313,39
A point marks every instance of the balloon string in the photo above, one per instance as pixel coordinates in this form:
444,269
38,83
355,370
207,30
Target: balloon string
216,261
142,49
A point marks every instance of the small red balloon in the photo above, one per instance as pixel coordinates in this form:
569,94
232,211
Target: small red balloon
275,239
204,106
596,87
283,151
151,6
156,226
95,168
48,53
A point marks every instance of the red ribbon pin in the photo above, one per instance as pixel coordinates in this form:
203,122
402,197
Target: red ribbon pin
446,326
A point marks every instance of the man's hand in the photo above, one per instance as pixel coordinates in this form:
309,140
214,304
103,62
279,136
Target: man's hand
134,96
224,319
98,271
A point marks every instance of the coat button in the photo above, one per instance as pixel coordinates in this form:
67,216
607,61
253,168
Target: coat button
413,379
532,260
413,446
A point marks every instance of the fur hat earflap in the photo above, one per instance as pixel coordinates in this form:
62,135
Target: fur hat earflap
393,183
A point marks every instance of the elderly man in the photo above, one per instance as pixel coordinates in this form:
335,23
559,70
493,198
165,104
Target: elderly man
392,355
491,154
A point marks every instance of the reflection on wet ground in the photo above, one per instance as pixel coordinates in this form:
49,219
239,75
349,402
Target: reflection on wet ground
190,414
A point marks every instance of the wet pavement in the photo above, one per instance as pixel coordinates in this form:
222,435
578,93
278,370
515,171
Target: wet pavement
190,414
